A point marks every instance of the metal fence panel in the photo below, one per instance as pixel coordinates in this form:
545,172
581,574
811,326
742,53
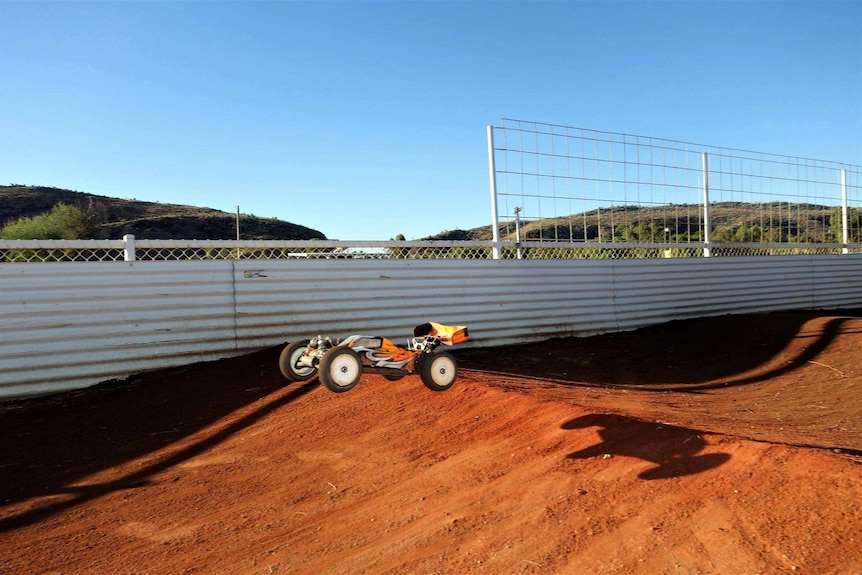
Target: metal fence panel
69,325
500,300
835,284
676,289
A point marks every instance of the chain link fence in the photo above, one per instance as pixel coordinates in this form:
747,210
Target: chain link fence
131,249
18,251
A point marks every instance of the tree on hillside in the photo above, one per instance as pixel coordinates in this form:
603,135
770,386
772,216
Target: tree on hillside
854,220
643,232
63,222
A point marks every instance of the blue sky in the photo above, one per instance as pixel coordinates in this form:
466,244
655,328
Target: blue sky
365,120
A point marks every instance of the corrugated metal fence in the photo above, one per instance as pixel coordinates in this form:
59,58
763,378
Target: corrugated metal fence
70,325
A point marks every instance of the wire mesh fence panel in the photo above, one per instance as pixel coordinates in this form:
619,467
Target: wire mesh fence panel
766,198
561,184
575,184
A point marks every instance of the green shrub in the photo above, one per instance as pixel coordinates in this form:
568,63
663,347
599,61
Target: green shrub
63,222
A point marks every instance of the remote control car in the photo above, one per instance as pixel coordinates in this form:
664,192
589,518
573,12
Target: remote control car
341,364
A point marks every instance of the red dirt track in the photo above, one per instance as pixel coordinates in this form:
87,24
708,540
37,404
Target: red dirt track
722,445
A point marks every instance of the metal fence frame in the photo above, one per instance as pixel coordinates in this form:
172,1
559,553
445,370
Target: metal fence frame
658,168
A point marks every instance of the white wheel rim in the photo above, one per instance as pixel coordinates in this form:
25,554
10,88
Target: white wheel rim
343,370
294,357
443,371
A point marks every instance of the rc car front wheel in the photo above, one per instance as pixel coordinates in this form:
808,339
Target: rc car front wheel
288,362
438,370
340,369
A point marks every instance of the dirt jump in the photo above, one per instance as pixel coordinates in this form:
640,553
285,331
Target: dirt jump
722,445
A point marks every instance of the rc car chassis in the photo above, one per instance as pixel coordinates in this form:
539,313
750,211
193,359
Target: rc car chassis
340,365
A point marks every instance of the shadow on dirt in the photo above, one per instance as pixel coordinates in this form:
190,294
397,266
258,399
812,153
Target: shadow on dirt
49,444
667,356
675,450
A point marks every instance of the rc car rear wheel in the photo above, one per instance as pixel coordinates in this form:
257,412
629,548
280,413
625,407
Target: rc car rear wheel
438,370
340,369
287,362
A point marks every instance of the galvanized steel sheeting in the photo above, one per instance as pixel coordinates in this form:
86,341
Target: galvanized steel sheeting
69,325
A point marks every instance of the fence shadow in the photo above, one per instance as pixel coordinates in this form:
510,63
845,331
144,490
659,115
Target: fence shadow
683,355
50,444
674,450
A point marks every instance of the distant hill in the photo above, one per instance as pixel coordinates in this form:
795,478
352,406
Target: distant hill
780,220
731,221
148,220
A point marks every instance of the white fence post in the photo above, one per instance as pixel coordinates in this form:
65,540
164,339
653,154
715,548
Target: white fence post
495,223
129,249
706,222
845,214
